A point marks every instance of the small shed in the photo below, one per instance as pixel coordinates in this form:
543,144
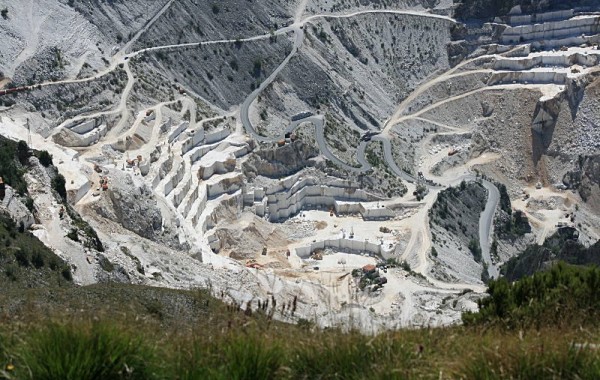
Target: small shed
369,268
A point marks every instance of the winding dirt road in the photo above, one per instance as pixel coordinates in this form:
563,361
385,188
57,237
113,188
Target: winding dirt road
420,235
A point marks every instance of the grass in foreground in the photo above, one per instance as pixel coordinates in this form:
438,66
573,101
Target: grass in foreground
113,331
72,352
238,347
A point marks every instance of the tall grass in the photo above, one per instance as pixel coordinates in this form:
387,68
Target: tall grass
5,361
247,357
137,350
352,356
96,351
125,341
233,357
535,363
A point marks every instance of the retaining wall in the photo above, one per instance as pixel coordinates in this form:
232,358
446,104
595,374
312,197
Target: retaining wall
284,204
551,30
546,60
176,132
227,185
175,179
194,138
216,136
91,137
345,245
84,127
180,193
537,77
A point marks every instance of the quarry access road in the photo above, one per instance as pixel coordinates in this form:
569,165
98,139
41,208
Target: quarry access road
446,76
121,57
318,122
389,159
506,87
380,11
245,107
294,27
486,226
211,42
121,108
297,28
395,119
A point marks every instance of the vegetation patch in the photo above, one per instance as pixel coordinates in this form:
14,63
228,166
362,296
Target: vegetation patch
562,246
11,170
27,262
91,239
562,296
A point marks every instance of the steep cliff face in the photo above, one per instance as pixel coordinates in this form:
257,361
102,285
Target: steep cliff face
454,224
135,208
281,161
586,179
562,246
344,68
572,155
590,183
542,126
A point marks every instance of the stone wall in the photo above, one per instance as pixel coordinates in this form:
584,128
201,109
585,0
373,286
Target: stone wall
552,30
345,245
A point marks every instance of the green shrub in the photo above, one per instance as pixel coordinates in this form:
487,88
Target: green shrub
11,272
45,158
58,184
29,204
106,264
22,258
562,295
73,235
257,68
505,204
66,273
405,266
85,352
22,151
11,170
91,239
37,259
475,249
